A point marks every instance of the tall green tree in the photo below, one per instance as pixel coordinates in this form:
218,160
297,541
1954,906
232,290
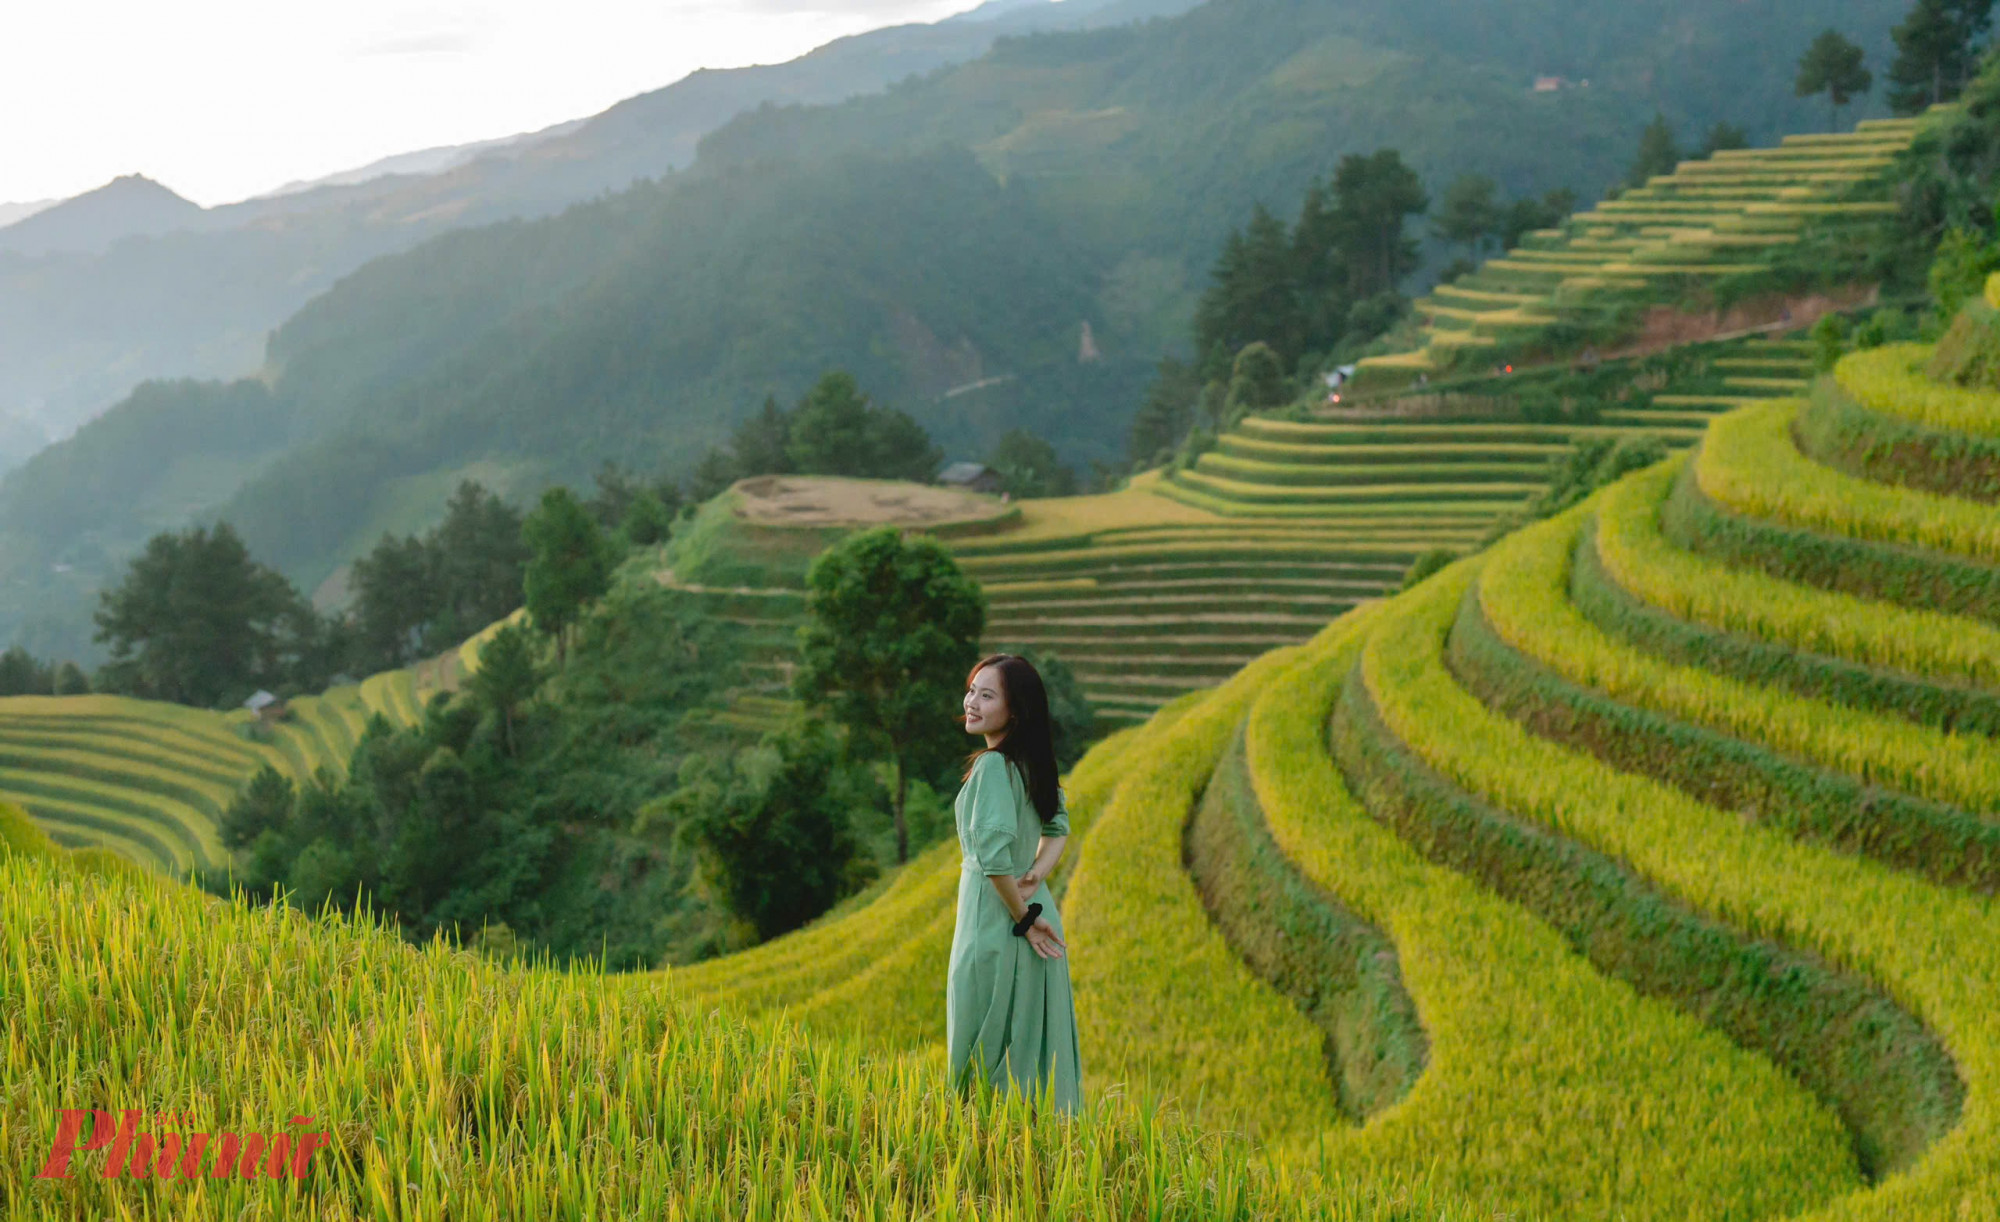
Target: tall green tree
830,433
762,444
197,621
398,593
22,674
1724,135
899,448
1469,213
1166,414
1256,383
506,678
1028,466
1527,214
647,520
835,430
482,559
1659,152
1937,52
1375,194
70,680
1834,66
1253,293
774,824
1325,300
570,565
893,627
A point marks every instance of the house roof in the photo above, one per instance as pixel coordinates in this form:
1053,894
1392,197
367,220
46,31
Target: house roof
962,472
260,701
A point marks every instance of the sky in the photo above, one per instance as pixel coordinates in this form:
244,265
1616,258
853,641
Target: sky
224,99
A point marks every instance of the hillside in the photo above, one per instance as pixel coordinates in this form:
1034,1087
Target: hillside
1584,795
80,327
676,308
1639,866
1724,230
149,781
129,206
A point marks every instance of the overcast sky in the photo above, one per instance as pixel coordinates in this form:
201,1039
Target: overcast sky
224,99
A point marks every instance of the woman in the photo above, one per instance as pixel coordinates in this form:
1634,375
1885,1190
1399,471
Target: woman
1008,1014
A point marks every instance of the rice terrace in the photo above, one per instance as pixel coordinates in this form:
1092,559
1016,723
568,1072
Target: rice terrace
1524,663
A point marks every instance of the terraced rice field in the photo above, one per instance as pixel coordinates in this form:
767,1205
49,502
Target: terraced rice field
1287,524
150,781
1706,222
1181,579
1656,846
1641,866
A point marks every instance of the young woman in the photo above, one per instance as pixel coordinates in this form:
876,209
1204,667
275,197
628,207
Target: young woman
1009,1016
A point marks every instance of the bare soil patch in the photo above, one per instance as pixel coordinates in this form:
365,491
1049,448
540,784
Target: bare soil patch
822,500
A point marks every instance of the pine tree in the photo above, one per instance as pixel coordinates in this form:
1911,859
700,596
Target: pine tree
1469,214
571,566
760,443
1833,66
1374,195
1658,152
1936,52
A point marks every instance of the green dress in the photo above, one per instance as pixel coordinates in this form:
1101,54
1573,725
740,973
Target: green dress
1007,1009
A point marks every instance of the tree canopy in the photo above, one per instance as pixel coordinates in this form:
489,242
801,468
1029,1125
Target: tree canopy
1028,466
570,565
197,621
1469,214
1659,152
893,628
1937,52
1834,66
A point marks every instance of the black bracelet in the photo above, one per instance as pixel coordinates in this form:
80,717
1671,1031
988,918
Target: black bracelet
1027,922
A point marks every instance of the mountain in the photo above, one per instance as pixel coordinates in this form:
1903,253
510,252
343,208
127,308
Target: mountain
129,206
80,328
956,229
9,213
424,161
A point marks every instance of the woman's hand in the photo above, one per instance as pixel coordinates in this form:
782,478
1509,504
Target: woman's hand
1028,883
1042,936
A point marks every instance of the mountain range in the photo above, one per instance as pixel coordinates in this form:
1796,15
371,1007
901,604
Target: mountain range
957,227
82,323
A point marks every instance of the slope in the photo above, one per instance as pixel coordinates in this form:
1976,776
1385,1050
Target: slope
1675,812
1127,154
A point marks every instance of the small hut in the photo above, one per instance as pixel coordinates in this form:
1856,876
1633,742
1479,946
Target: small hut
267,707
972,476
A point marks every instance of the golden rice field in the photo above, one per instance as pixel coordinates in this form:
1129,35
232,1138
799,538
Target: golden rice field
1642,866
1680,813
1671,826
1706,222
151,780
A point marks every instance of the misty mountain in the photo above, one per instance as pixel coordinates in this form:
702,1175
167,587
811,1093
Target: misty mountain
79,329
131,205
9,213
425,161
954,229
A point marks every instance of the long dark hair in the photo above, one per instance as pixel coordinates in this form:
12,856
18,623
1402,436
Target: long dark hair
1029,743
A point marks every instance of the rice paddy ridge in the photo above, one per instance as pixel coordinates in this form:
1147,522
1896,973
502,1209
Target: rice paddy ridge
1288,523
1675,762
1423,461
1709,221
1817,798
150,780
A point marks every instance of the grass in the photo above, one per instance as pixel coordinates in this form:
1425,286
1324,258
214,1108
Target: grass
451,1086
